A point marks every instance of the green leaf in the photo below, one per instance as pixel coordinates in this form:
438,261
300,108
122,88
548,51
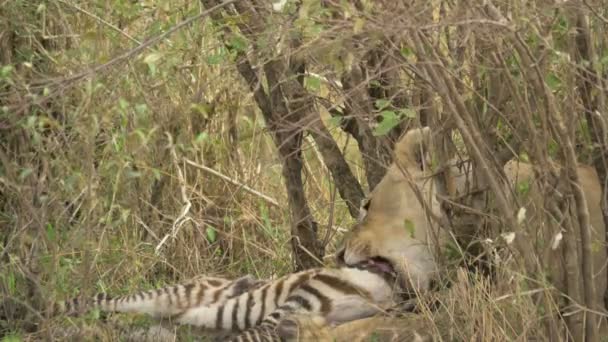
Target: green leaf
25,172
202,109
156,173
152,68
604,58
95,314
313,83
358,25
151,61
375,84
553,148
335,121
406,52
596,246
123,104
211,234
264,214
11,283
316,30
561,26
6,71
374,337
553,82
11,338
133,174
217,58
51,234
451,251
153,58
238,43
381,104
203,136
124,215
141,108
522,188
389,121
408,113
409,226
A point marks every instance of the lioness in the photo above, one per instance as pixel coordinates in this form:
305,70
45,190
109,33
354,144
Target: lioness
397,232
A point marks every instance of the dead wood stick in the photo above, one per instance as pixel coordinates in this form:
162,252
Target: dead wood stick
252,191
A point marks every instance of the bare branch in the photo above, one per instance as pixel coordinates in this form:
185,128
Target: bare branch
240,185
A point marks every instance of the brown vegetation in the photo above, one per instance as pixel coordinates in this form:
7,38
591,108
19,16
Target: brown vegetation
139,146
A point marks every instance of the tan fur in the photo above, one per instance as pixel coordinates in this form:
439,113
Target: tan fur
410,328
397,226
551,251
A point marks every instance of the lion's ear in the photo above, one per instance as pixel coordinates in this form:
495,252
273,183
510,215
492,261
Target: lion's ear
412,150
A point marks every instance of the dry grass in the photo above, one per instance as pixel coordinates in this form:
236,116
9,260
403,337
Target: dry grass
94,174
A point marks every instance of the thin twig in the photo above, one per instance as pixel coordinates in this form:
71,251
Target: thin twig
595,12
101,20
315,148
520,294
252,191
183,216
128,55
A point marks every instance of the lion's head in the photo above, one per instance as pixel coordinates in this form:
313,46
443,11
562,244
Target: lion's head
395,233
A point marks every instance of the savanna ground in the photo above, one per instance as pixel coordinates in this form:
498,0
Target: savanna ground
138,149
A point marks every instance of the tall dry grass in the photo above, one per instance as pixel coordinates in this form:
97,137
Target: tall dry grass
97,172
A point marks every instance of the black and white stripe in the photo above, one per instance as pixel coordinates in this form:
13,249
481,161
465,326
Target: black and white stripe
163,302
321,292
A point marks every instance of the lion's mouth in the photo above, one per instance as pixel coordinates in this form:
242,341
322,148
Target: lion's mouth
378,265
